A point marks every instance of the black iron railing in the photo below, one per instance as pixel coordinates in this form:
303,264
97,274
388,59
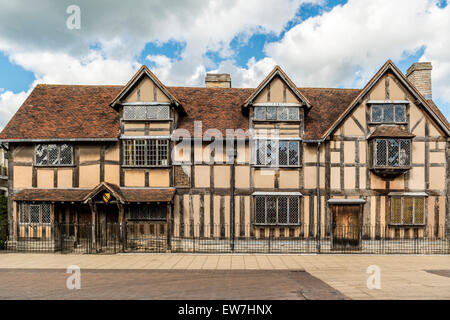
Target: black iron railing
140,236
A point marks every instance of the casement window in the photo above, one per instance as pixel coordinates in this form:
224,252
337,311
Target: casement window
277,153
146,112
147,212
34,213
277,210
277,113
392,153
53,154
149,152
408,210
388,113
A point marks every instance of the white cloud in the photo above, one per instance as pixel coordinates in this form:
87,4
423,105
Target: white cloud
9,103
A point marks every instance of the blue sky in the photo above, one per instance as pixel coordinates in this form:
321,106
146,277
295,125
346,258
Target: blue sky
248,49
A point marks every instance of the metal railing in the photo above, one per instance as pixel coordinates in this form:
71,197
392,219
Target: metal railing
139,236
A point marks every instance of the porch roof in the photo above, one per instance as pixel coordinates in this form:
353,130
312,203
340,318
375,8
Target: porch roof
80,195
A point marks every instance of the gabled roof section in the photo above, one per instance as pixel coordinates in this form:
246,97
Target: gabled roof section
277,71
390,131
145,71
390,66
105,186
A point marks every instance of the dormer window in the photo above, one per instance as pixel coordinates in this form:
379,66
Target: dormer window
146,112
276,113
389,113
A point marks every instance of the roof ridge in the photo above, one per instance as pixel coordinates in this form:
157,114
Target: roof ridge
77,85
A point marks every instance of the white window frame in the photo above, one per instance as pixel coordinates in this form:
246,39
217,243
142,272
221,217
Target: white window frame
402,198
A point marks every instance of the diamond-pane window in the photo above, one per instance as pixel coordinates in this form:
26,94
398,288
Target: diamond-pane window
52,154
260,210
294,210
393,153
377,113
283,153
400,113
271,203
66,154
408,210
282,113
388,113
24,216
277,210
271,113
41,154
35,213
260,113
45,213
129,113
294,113
293,153
282,210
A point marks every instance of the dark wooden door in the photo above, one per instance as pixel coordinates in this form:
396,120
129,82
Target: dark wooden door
346,227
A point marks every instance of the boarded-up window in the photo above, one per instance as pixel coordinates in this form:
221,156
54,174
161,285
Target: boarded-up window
407,210
277,210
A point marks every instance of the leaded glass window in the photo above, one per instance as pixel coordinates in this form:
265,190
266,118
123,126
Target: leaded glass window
53,154
277,153
277,210
146,112
407,210
389,113
146,152
392,152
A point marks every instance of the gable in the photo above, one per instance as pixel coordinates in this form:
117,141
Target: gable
277,91
279,80
145,90
390,85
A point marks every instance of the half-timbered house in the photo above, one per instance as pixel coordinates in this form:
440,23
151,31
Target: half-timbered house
276,162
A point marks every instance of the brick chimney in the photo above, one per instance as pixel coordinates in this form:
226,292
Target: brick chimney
218,80
420,76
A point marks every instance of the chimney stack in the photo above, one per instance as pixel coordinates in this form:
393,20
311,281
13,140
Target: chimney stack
218,80
420,76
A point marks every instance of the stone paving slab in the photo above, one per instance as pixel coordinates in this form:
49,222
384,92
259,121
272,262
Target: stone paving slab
402,276
42,284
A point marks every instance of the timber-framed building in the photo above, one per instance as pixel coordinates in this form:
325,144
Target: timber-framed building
375,160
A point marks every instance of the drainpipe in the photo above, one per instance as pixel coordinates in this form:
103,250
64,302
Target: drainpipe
318,198
232,155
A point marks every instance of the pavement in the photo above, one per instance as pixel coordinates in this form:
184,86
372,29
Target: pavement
187,276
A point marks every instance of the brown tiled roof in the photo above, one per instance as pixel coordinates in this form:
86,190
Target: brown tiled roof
390,131
65,112
216,107
148,195
83,112
79,195
58,195
328,105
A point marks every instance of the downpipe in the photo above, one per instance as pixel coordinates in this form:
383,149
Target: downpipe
318,236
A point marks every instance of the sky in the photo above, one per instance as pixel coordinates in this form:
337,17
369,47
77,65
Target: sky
318,43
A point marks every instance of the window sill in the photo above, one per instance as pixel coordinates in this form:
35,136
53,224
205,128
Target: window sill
146,167
407,225
276,225
55,166
276,167
371,123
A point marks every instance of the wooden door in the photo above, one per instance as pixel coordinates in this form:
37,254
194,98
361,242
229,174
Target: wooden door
346,227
